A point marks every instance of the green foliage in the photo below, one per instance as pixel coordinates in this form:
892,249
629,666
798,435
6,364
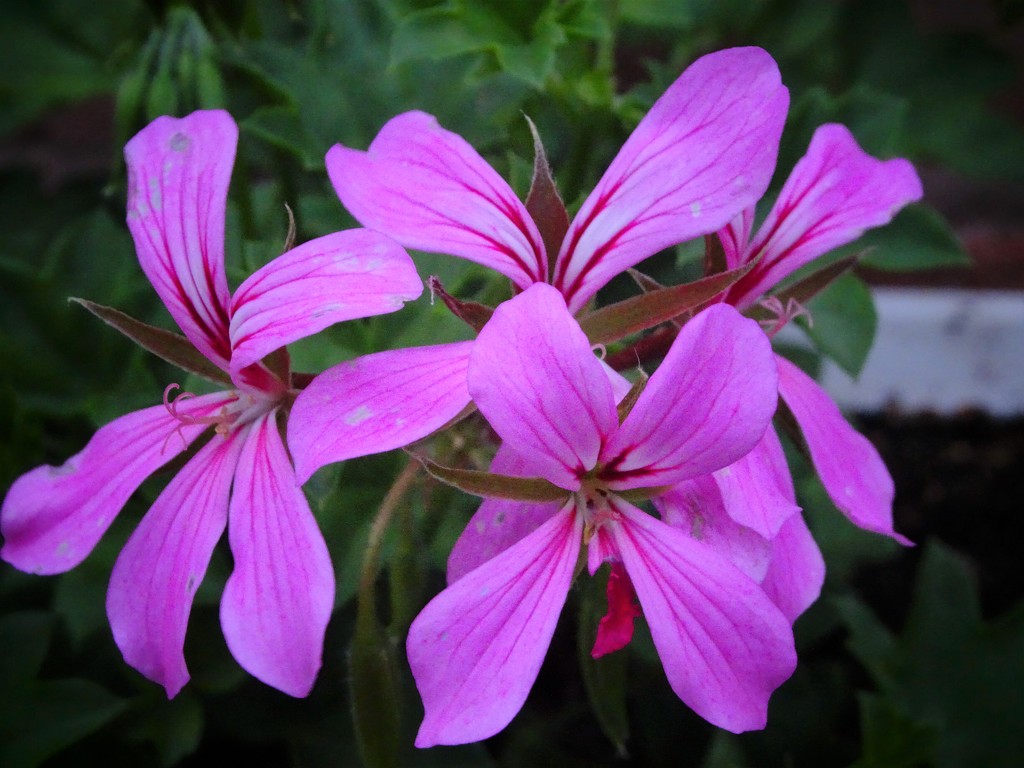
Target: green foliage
951,682
302,76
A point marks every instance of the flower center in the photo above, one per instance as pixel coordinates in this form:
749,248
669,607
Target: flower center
244,409
593,503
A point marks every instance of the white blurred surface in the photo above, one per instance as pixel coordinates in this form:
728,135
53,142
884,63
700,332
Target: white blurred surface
940,350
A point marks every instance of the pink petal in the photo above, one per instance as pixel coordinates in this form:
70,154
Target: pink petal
757,489
430,190
178,176
707,405
476,648
724,645
498,523
342,276
534,377
704,152
836,191
850,468
615,629
797,569
695,507
377,403
158,571
279,597
52,517
735,236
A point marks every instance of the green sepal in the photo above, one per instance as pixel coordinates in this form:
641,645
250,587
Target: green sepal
638,313
167,345
493,486
605,679
472,313
543,202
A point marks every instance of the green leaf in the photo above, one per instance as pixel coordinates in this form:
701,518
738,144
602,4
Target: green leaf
40,718
843,322
173,727
167,345
892,739
917,238
949,669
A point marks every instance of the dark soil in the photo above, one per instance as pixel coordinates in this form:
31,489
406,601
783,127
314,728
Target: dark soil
960,479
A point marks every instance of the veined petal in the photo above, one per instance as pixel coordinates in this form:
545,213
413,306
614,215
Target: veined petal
52,517
498,523
836,191
704,152
178,176
427,188
850,468
535,378
797,569
279,597
695,507
735,236
707,405
160,568
724,645
757,490
377,403
342,276
477,647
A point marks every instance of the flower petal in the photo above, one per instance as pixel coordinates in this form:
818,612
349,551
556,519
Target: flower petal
735,236
534,377
615,629
797,569
427,188
836,191
178,176
757,490
704,152
52,517
279,597
707,405
377,403
477,647
695,507
342,276
498,523
158,571
724,645
850,468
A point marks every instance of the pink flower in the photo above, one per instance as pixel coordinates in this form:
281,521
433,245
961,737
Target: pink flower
703,153
835,192
280,595
476,648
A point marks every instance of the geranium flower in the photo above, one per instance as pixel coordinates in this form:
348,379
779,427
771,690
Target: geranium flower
703,153
279,597
476,648
835,192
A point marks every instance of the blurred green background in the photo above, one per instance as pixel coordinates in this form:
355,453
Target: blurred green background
910,658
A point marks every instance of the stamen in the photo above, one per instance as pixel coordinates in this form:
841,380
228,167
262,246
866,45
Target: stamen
601,350
221,421
782,313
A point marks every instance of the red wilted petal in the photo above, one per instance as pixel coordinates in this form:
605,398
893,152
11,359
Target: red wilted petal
616,627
